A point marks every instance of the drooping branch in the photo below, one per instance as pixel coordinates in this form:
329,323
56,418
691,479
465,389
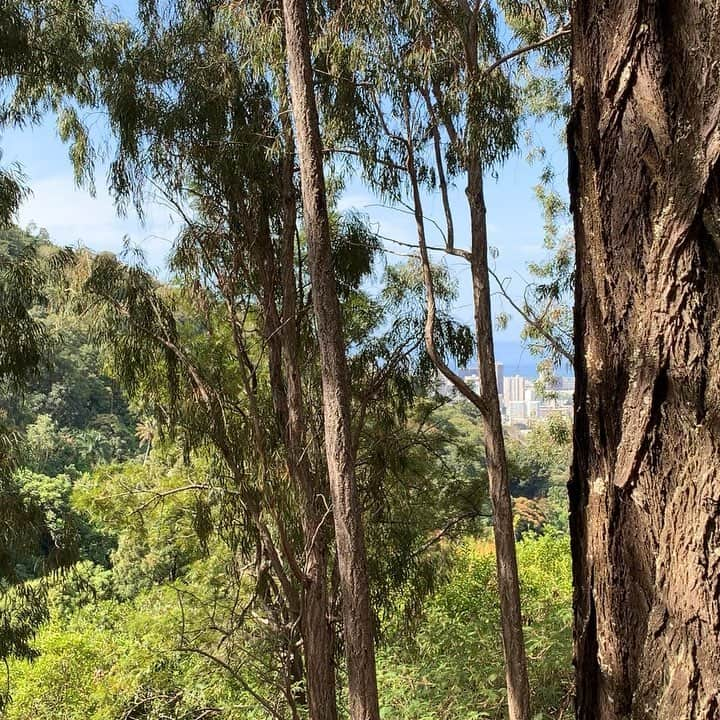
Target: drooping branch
535,322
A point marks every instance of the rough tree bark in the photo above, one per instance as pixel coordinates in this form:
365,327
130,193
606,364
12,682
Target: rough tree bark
349,536
645,486
281,334
318,634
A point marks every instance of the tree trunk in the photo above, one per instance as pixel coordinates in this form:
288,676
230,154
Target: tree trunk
318,636
516,675
645,486
285,380
350,542
487,401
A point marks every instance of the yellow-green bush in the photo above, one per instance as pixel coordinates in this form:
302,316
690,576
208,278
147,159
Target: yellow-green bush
451,666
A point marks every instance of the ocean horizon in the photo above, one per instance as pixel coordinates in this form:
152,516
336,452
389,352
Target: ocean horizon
517,360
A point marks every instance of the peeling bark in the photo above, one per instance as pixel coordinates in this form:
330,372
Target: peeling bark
645,486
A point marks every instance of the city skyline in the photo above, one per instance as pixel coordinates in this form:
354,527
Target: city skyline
520,401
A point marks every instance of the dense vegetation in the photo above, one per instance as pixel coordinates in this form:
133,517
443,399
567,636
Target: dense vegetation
231,489
234,491
154,616
110,659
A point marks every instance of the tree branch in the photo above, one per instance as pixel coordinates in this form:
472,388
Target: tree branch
565,30
449,525
431,312
235,676
534,322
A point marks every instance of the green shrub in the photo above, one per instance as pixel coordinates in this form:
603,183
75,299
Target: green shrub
110,660
452,665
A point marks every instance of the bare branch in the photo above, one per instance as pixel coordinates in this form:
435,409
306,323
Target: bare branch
534,322
431,311
455,252
357,153
565,30
449,525
442,180
235,676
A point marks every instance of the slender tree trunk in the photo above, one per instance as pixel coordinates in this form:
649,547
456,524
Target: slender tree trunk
285,379
357,619
645,486
516,674
487,402
318,635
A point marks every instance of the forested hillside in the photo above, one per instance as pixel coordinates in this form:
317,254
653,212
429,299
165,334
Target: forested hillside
157,612
258,458
72,413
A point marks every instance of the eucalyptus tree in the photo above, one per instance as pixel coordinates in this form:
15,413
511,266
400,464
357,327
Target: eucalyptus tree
174,346
188,95
644,187
196,100
441,101
347,514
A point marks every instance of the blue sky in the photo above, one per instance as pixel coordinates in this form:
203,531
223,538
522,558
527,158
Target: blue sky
72,216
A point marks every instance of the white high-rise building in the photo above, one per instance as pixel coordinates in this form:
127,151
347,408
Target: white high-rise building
514,388
517,410
530,393
499,376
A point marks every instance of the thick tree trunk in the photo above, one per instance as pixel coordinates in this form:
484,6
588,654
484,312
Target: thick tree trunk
645,486
349,537
516,674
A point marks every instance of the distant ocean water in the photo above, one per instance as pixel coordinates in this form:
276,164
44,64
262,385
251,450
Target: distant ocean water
517,360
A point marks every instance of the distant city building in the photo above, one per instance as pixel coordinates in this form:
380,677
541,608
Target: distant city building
499,376
530,393
519,399
514,389
517,410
